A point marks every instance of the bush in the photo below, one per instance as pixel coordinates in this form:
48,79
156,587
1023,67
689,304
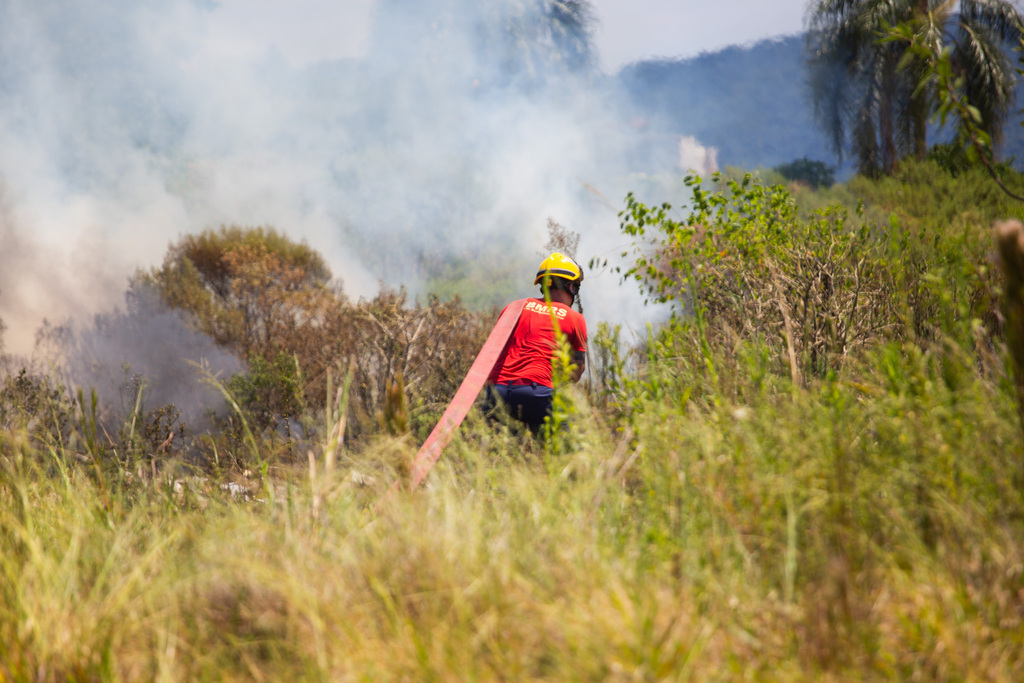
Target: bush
857,518
814,173
267,298
244,286
743,271
37,405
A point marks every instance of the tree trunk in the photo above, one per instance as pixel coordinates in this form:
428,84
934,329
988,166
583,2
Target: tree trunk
887,123
887,134
919,126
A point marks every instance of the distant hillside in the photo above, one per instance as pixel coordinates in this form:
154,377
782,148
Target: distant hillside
751,103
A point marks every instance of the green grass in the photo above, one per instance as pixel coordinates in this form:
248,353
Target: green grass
709,515
851,530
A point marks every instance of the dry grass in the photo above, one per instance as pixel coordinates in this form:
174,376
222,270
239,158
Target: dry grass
735,545
730,509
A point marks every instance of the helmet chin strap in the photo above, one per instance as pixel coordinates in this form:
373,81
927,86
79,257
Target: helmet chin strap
572,289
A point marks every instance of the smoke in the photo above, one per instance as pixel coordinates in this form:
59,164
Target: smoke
42,275
151,351
454,129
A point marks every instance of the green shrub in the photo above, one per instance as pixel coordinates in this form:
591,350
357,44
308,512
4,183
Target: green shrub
743,270
814,173
38,405
712,514
271,389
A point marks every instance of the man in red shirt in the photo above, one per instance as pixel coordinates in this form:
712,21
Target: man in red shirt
522,376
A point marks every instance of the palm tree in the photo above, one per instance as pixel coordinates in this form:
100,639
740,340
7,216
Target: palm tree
521,41
867,92
566,26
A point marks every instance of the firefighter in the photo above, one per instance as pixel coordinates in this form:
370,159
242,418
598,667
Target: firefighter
522,376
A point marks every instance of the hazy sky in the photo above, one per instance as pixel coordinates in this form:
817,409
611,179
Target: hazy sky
304,31
630,30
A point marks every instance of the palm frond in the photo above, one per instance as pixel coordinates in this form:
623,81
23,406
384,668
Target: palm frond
830,99
989,78
877,104
865,137
999,17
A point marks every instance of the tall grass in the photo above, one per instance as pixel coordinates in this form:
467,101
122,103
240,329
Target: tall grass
866,530
710,516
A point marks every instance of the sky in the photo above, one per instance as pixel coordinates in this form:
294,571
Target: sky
305,31
631,30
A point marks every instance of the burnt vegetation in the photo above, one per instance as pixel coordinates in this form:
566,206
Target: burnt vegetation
270,302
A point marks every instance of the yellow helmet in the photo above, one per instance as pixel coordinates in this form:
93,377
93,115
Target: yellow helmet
559,265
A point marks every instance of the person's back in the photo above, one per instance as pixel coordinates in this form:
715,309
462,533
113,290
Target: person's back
522,377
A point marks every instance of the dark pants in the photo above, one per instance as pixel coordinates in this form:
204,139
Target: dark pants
528,403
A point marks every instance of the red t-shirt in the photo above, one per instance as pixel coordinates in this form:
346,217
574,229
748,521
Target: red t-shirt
528,355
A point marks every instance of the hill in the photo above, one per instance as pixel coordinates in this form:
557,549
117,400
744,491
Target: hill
749,102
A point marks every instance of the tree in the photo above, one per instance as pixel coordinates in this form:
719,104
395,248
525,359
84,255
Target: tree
502,42
267,298
973,143
545,33
814,173
247,287
875,95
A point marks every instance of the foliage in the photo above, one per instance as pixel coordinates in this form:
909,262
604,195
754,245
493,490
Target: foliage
927,196
814,173
950,157
839,533
874,95
244,285
741,267
974,140
270,389
38,405
712,515
406,359
266,297
430,346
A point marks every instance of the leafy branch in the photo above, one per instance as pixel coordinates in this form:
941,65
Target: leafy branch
941,78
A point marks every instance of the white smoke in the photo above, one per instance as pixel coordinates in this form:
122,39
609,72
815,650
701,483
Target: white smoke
152,351
440,133
695,156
